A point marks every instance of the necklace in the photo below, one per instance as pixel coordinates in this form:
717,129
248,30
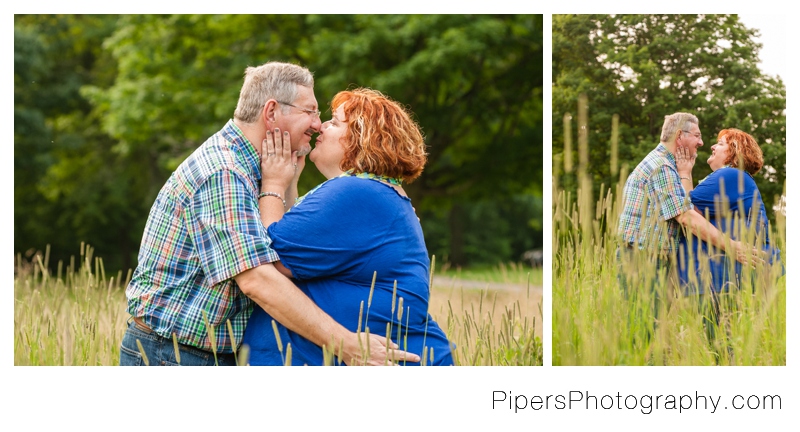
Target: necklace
378,177
350,173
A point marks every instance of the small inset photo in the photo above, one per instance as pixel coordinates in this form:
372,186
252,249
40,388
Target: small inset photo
669,191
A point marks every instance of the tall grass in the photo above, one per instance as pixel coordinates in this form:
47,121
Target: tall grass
596,322
76,316
496,327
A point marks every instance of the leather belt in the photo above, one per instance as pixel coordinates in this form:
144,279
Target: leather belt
142,325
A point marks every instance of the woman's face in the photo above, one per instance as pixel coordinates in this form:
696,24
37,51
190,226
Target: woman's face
328,150
719,154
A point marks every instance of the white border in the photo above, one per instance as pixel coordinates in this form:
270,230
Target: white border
393,398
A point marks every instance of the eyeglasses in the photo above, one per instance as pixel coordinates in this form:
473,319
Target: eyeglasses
697,135
312,113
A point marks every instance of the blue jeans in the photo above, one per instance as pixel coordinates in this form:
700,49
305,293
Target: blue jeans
650,289
160,351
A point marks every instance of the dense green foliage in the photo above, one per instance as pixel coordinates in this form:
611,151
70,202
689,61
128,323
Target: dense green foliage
106,107
643,67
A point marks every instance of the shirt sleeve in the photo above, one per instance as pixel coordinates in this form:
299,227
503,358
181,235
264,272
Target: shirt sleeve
668,192
224,224
328,234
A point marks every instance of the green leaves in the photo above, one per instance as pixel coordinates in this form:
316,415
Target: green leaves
643,67
119,101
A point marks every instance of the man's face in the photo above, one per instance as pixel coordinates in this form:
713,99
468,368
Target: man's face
300,124
692,139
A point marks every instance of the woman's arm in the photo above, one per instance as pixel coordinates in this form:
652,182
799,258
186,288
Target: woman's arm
277,173
277,166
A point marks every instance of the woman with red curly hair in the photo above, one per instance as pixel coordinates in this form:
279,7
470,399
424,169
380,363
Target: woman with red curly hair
727,195
353,244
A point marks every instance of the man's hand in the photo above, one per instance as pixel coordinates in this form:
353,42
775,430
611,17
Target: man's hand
280,298
372,350
750,255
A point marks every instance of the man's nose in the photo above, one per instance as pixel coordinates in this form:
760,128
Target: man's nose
316,124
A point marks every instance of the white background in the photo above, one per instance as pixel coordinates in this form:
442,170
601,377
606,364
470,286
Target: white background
108,398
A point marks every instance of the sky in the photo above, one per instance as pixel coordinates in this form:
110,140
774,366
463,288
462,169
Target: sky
773,39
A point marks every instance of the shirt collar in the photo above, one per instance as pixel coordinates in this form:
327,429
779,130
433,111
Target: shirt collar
662,149
243,149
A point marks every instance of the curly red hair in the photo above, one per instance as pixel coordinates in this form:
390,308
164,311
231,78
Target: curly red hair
381,137
742,148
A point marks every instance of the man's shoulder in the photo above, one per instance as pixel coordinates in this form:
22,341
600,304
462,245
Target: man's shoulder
216,154
652,162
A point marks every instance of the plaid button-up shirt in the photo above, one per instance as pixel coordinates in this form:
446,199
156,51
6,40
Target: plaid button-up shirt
652,198
203,229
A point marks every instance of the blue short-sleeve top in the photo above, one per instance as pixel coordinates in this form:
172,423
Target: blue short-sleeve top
333,242
725,195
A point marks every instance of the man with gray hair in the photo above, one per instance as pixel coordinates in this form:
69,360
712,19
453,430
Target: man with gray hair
205,259
655,205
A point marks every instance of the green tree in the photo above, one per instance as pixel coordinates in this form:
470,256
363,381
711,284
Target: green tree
127,98
475,86
64,177
643,67
176,82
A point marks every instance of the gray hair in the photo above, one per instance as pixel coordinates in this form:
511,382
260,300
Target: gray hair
675,122
272,80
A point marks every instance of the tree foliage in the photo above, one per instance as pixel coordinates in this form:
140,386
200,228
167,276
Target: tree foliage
120,101
643,67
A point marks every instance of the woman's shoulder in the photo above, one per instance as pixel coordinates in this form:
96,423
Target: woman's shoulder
728,175
731,172
348,185
361,187
732,176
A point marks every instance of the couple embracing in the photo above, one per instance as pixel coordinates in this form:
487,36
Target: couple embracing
689,228
341,274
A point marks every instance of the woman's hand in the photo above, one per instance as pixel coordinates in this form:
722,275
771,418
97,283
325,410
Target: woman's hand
278,166
684,160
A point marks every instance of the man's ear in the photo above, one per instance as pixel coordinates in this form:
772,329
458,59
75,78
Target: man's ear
268,112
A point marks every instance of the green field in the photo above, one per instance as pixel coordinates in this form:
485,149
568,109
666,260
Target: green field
76,316
595,323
